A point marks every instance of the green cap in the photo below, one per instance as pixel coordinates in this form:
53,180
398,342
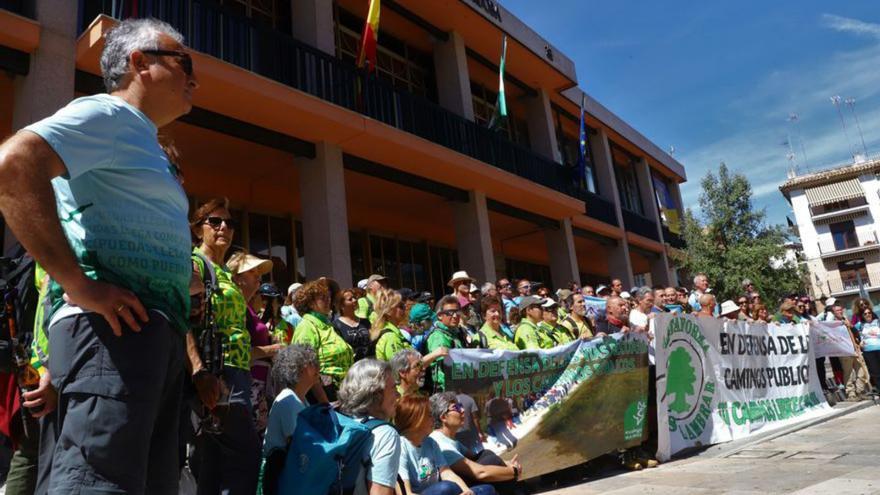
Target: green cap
420,312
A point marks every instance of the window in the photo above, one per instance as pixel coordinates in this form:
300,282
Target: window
627,183
405,67
358,251
271,13
516,130
531,271
444,262
405,263
568,148
270,237
844,235
851,272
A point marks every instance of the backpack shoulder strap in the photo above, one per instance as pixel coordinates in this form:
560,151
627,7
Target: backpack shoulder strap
484,342
208,274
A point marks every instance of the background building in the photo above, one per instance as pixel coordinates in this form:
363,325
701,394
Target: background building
837,213
334,173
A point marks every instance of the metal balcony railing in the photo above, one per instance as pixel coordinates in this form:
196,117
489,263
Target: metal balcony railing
672,239
849,282
212,29
864,241
638,224
600,208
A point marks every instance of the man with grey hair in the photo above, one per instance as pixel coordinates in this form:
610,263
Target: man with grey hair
701,286
489,289
92,196
366,392
408,371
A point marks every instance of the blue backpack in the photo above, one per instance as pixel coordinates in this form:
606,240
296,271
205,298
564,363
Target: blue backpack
327,452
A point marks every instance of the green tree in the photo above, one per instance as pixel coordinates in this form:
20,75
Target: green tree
730,241
680,378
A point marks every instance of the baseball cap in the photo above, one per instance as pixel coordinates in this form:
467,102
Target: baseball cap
269,290
530,301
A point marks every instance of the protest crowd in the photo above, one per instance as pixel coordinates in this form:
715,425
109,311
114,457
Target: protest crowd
160,348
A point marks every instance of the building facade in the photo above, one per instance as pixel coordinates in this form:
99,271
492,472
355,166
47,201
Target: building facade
332,172
838,213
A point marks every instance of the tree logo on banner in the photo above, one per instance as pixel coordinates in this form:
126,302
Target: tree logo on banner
689,392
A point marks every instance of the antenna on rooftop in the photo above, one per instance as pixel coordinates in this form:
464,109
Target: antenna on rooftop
671,150
836,101
794,119
792,162
851,103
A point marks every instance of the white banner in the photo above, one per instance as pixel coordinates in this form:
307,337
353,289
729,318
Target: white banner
831,339
719,381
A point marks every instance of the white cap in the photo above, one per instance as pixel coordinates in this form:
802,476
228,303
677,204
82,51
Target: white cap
362,284
625,295
474,288
830,301
548,302
293,288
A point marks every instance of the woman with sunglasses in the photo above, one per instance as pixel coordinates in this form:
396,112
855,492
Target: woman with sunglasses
228,456
423,467
483,466
869,331
745,308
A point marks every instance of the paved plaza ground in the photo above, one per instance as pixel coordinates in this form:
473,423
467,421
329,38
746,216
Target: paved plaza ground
840,456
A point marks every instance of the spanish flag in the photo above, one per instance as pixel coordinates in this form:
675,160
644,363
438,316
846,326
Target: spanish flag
369,38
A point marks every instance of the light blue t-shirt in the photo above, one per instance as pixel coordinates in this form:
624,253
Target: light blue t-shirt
121,207
282,420
870,335
451,448
421,465
384,456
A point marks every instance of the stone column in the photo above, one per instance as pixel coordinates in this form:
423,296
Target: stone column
49,83
619,264
473,237
542,132
324,215
312,23
563,257
453,78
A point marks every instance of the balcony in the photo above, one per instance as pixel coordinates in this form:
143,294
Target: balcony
841,214
213,30
672,239
600,208
847,284
21,7
866,242
638,224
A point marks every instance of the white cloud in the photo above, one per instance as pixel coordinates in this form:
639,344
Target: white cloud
848,25
757,149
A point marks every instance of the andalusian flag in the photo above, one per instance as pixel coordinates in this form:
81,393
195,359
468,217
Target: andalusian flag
370,38
582,148
500,114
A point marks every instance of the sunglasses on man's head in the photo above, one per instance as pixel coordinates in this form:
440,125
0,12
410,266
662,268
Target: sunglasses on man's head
183,58
215,222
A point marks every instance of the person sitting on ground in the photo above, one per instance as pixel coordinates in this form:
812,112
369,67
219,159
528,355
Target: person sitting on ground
423,467
528,335
408,371
549,323
577,321
481,467
491,332
335,356
368,392
296,369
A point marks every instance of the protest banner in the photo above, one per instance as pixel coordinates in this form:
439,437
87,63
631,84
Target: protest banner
559,407
721,380
831,339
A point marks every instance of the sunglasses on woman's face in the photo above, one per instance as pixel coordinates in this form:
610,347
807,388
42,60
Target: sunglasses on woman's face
215,222
457,408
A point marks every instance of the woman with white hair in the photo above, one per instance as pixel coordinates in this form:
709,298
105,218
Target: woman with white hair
296,370
368,392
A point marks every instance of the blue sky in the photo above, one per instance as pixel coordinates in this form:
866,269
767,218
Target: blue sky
718,80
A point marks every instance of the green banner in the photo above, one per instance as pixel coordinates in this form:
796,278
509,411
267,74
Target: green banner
559,407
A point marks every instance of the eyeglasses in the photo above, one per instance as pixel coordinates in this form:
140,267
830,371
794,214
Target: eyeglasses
504,286
183,58
456,407
742,302
449,312
215,222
